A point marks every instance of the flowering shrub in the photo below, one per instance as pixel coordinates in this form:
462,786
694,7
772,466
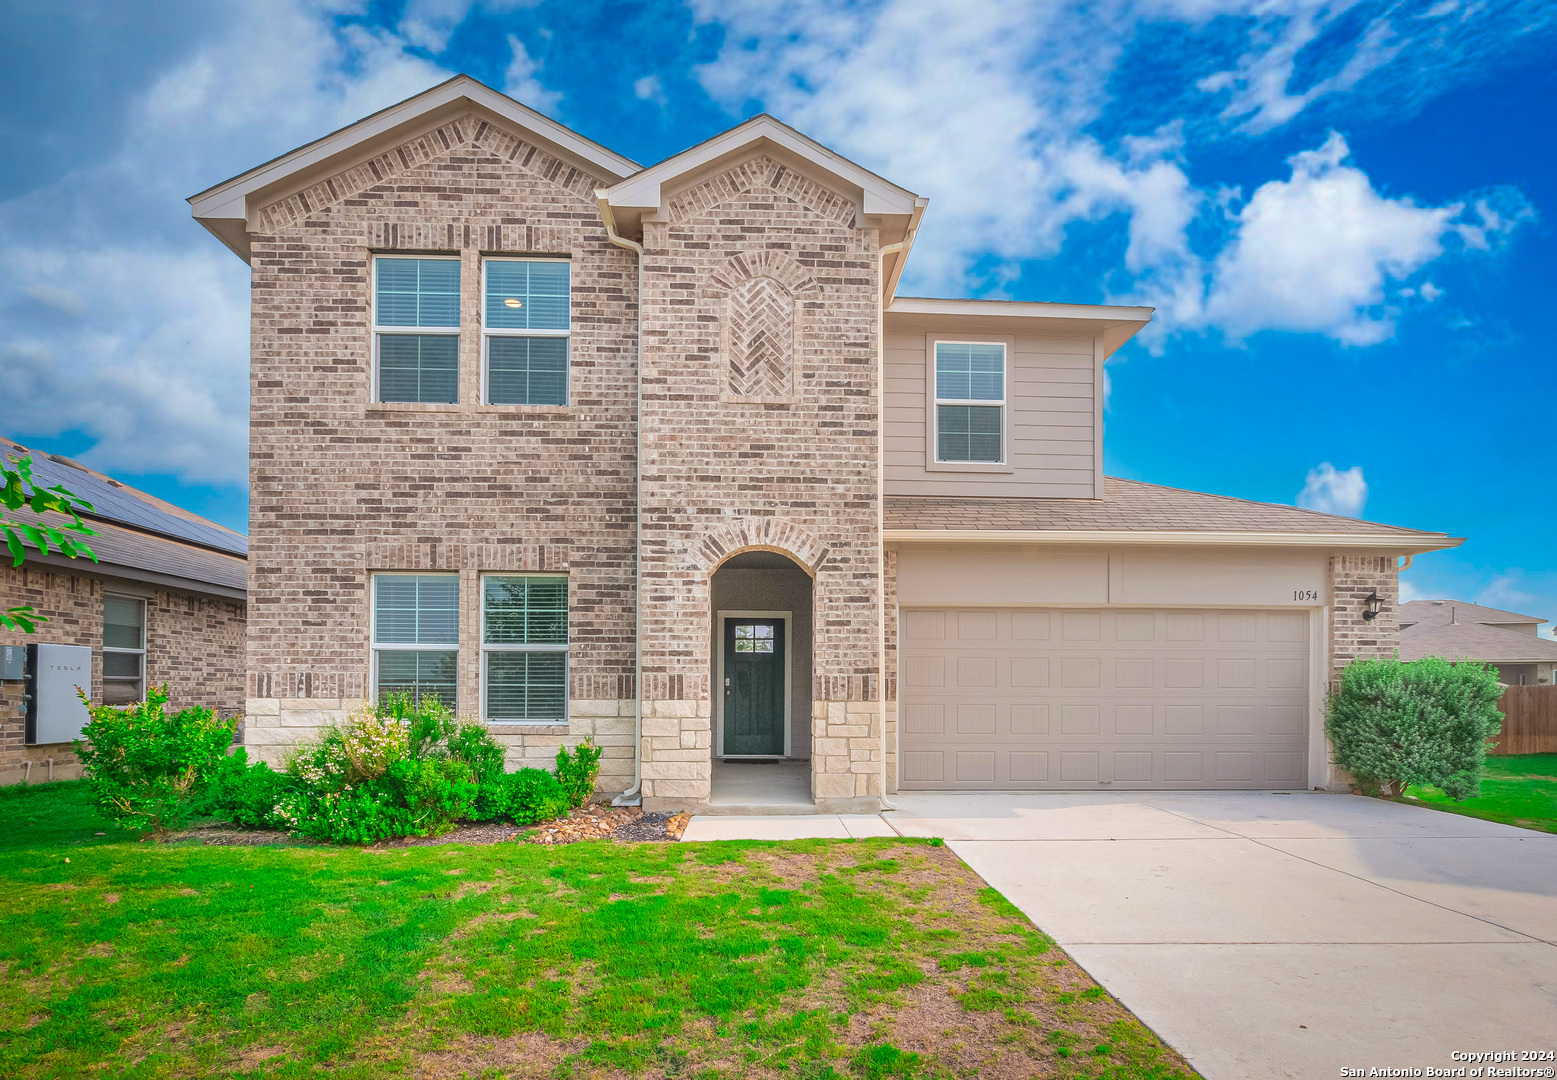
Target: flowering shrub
398,769
148,768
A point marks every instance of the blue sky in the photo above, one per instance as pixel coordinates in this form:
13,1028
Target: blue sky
1343,212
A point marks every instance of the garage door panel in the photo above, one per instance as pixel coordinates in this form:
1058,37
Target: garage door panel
1031,698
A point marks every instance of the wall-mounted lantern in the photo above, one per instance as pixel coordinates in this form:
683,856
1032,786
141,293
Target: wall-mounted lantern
1372,606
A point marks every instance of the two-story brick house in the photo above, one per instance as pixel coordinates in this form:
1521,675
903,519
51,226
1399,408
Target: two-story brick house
657,456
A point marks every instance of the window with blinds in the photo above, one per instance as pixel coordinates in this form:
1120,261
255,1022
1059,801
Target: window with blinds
524,648
416,632
124,650
416,328
970,399
525,329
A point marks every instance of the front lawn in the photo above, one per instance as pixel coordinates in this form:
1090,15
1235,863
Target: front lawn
873,959
1520,789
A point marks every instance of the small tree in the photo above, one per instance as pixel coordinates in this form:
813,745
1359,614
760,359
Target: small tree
1423,722
18,491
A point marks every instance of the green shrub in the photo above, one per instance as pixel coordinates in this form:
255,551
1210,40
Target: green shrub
1425,722
473,744
382,773
246,794
577,772
532,795
148,768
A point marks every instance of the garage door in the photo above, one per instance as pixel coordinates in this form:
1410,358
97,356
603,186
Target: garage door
1000,698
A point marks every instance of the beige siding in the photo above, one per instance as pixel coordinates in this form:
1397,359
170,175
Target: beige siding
1052,399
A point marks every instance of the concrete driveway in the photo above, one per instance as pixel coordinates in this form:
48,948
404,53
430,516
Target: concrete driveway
1281,935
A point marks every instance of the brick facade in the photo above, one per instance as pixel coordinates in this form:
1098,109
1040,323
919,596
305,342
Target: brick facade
1352,579
342,486
194,644
791,469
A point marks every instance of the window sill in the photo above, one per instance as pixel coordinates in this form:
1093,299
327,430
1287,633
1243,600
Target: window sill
970,466
381,408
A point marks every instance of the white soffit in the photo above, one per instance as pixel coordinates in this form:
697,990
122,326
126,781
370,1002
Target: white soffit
648,191
224,209
1118,324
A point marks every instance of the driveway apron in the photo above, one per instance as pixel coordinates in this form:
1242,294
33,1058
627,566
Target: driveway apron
1269,935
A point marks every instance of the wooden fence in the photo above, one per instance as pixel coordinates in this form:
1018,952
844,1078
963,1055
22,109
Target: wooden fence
1529,721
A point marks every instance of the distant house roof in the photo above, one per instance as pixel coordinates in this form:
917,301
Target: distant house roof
1134,511
1421,611
140,536
1474,641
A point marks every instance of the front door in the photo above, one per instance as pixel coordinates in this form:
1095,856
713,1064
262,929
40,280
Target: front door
753,687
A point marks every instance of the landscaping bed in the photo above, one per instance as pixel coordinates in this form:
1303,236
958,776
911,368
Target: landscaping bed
813,959
1519,789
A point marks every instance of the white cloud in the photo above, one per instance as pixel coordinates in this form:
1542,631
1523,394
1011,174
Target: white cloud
649,88
1507,591
429,24
522,80
1320,251
1334,491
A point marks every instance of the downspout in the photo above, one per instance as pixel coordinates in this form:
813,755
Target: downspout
631,796
881,550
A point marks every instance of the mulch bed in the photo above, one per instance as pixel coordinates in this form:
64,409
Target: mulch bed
626,824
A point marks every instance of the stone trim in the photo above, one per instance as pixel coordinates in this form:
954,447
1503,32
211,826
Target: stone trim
846,750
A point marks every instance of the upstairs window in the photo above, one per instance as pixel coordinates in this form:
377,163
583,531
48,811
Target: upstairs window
124,650
416,328
416,633
526,322
970,401
524,648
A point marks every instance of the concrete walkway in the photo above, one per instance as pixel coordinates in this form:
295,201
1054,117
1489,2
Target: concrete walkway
1268,935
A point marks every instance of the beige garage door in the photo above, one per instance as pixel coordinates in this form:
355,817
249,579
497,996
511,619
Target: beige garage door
999,698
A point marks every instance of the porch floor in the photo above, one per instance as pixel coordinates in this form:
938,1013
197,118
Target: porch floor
761,787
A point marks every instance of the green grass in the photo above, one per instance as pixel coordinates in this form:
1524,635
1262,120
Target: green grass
1520,789
817,959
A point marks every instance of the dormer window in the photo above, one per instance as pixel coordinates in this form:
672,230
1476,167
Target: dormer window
526,323
970,401
416,329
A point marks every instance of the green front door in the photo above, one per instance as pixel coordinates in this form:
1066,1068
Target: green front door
754,687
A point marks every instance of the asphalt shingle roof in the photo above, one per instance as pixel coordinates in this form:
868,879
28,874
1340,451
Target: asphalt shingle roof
1474,641
1130,506
1422,611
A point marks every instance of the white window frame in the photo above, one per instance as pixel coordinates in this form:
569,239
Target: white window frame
488,333
380,331
566,648
375,647
141,652
932,392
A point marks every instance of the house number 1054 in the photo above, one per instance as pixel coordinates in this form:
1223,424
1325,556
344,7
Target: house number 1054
1305,594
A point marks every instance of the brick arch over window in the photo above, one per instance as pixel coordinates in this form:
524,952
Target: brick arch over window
759,322
760,534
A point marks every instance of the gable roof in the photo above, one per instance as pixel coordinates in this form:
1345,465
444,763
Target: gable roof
1135,512
649,190
1474,641
138,535
1422,611
226,208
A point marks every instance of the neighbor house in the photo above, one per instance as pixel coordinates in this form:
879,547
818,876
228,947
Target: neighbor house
659,456
1456,630
164,604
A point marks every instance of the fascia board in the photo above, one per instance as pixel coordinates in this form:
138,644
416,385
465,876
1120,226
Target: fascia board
1372,541
645,191
1020,309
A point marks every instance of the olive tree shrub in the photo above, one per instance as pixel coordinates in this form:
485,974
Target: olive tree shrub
1426,722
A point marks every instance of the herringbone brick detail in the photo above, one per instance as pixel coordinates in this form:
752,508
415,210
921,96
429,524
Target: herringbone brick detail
761,317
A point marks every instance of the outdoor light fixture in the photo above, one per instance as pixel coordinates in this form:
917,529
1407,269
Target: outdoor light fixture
1372,606
511,302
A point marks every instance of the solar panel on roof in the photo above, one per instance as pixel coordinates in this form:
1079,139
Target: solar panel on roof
113,503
